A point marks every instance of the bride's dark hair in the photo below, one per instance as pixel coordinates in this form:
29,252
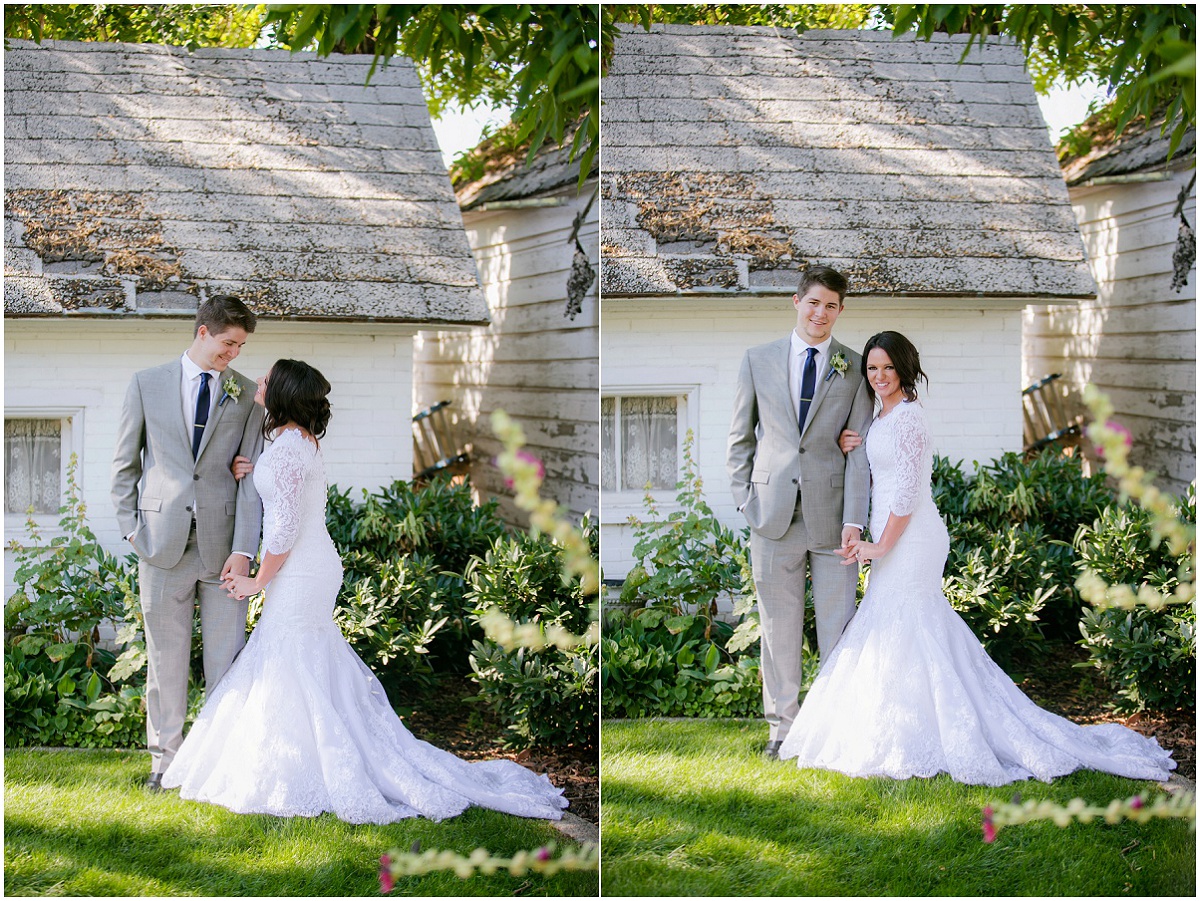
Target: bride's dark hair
296,393
904,357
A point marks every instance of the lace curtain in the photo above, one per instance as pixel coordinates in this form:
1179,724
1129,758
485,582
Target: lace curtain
32,465
608,444
649,442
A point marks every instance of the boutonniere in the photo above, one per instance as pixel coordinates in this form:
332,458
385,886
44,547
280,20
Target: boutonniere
839,364
232,389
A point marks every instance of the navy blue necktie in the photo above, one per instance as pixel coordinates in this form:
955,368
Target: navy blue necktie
808,385
203,400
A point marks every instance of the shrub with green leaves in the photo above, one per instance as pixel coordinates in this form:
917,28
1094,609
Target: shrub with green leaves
1148,656
548,696
655,662
1011,572
59,684
403,601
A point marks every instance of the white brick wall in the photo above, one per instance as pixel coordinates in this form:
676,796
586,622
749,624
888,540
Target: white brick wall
86,365
972,353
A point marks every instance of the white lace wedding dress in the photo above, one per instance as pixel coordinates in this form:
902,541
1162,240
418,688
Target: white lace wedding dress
908,690
299,725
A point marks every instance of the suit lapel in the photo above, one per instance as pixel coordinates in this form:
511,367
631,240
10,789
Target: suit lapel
168,395
780,358
823,385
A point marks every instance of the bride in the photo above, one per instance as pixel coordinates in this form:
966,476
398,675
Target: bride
299,725
908,690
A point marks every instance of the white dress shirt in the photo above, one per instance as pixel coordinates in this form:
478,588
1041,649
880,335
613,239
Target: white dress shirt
796,365
190,388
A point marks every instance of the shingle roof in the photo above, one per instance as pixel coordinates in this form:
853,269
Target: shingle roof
734,157
136,175
1138,148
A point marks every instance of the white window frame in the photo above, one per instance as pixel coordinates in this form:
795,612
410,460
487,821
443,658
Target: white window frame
617,506
71,438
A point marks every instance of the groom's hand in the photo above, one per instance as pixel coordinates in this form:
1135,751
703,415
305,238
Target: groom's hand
850,537
237,564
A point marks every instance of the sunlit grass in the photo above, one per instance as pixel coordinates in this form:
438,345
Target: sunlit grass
691,808
79,823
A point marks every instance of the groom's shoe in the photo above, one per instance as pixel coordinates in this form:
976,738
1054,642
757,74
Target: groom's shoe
154,783
771,751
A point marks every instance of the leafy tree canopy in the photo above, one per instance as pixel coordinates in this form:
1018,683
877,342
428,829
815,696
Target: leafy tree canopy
183,25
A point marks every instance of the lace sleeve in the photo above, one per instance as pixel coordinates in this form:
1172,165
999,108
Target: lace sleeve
912,441
290,457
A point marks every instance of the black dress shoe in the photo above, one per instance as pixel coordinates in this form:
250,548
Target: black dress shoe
154,783
771,751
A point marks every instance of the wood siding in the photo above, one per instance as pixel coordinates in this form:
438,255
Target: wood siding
532,361
1137,340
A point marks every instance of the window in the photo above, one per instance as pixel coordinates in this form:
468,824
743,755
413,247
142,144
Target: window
33,465
639,442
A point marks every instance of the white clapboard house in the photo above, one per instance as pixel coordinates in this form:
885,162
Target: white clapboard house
1136,340
140,179
535,234
735,157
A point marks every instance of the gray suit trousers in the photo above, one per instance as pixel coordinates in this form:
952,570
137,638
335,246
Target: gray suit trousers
169,599
780,566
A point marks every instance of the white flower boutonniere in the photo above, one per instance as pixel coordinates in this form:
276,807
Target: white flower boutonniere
232,389
839,364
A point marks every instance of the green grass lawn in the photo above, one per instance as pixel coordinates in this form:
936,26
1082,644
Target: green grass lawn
79,823
691,808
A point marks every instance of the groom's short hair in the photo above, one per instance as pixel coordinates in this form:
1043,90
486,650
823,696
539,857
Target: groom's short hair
826,276
224,311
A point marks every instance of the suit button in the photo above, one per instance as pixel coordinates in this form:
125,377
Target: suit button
795,481
801,450
189,509
196,477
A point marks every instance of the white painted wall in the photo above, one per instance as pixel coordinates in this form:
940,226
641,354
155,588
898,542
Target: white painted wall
83,367
971,351
532,361
1137,340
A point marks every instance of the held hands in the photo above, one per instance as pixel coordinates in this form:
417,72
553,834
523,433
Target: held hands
858,551
240,587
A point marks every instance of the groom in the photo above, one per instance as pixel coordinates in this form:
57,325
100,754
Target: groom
185,515
801,497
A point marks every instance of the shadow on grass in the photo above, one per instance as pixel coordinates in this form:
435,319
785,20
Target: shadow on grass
80,823
691,809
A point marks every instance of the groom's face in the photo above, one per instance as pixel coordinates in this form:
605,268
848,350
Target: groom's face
217,351
816,312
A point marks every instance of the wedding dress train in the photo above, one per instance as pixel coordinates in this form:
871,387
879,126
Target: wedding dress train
909,690
300,725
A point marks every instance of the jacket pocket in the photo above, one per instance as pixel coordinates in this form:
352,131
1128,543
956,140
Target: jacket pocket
838,480
761,476
152,504
231,508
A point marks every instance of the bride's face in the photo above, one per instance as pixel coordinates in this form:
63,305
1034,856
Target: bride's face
882,375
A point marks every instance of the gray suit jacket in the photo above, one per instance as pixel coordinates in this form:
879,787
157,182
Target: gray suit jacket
768,457
155,480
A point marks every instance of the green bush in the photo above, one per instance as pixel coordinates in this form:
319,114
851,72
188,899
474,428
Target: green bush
59,685
655,662
1011,572
403,598
1147,656
543,697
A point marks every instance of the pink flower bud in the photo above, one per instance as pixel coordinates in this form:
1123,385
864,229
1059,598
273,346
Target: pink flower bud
533,461
386,882
1137,803
989,828
543,854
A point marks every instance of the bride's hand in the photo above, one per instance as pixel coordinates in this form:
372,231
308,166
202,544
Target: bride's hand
860,552
240,587
241,467
849,440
